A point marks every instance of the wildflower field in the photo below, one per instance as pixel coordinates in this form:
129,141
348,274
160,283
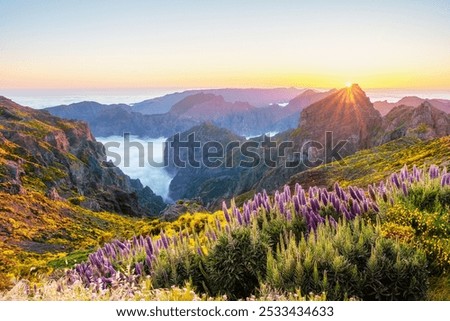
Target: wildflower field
389,241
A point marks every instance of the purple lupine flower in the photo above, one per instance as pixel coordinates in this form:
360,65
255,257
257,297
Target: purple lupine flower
199,251
433,172
417,174
404,189
281,206
247,215
254,206
445,180
314,204
336,204
288,215
356,209
353,193
225,212
302,197
149,248
239,217
395,180
212,235
345,212
120,245
313,222
134,240
287,190
310,192
298,187
266,205
296,202
360,194
365,206
165,240
305,211
324,199
337,189
404,173
138,269
277,197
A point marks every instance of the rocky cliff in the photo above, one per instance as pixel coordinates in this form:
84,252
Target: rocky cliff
348,114
424,122
61,159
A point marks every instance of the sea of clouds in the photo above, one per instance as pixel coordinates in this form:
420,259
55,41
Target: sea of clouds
157,178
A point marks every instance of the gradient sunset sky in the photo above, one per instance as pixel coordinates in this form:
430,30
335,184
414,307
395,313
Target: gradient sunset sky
189,44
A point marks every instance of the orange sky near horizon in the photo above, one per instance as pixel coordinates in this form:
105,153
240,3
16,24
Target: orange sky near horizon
320,45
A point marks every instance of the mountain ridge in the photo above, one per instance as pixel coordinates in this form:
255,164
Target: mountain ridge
413,101
209,105
63,160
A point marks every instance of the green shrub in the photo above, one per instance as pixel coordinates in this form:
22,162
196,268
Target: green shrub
273,225
353,260
430,198
236,263
395,272
176,268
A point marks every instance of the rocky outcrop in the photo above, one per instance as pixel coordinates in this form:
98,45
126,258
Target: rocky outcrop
201,181
423,122
62,160
348,114
180,207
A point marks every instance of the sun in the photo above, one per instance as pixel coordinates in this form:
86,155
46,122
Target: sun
348,84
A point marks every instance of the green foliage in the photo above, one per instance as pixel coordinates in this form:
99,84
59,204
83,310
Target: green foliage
427,230
352,260
76,200
177,268
70,260
273,225
236,263
430,198
395,272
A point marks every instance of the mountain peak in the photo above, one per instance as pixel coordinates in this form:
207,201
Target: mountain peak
347,113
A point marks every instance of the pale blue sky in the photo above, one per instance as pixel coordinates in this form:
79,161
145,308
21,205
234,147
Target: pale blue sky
129,44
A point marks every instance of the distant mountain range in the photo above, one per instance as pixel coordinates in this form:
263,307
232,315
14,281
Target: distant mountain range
412,101
167,115
347,113
254,96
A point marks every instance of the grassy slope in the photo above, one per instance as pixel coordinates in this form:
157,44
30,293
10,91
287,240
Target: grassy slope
373,165
36,230
38,235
